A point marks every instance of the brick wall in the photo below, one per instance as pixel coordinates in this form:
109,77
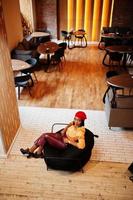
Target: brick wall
46,14
123,13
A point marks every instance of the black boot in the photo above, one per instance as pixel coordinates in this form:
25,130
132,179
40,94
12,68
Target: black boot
38,155
26,152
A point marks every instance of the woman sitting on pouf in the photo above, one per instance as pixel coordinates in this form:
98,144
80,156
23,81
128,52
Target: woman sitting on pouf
73,133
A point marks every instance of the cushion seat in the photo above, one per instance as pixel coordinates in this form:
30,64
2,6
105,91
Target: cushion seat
25,50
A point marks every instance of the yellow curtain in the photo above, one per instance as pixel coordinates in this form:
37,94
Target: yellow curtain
88,18
106,13
70,15
79,14
96,20
90,15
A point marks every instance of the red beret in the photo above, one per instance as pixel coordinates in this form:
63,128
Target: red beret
81,115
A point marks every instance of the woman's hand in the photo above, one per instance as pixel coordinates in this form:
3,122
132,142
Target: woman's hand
66,140
65,129
71,123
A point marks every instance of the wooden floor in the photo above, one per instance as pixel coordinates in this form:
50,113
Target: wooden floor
22,179
80,84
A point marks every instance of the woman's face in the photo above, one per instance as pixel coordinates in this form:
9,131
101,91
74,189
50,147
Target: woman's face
77,121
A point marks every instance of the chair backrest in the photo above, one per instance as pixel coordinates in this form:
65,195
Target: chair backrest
59,53
63,45
22,79
64,33
56,57
115,56
111,73
81,30
32,61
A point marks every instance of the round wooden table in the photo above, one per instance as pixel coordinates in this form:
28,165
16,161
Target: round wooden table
124,49
121,81
116,36
18,65
40,34
48,48
36,35
120,48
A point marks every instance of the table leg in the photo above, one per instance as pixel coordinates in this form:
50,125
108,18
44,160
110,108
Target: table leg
71,45
124,60
48,58
104,58
113,102
48,62
85,40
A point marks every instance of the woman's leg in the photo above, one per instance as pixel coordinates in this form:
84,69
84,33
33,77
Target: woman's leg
29,151
37,143
33,148
55,141
41,140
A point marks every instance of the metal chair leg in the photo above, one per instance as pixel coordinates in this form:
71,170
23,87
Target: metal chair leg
18,92
35,76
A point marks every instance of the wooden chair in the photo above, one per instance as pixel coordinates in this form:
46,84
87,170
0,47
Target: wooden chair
31,70
25,81
56,59
80,38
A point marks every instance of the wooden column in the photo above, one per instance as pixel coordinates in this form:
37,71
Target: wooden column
9,116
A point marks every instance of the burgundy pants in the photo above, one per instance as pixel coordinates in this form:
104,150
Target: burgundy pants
54,139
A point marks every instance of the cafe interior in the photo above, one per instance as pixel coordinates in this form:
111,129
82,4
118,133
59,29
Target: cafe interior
60,56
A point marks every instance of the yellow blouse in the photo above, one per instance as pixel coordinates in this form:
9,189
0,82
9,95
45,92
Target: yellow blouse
76,134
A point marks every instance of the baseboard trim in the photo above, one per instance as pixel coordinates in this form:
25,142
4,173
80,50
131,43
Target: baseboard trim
9,150
88,42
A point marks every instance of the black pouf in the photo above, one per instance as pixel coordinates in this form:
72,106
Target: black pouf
72,158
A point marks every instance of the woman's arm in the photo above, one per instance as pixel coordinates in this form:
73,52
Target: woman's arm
80,143
79,140
65,129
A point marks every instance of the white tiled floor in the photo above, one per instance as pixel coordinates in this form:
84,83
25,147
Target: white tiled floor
112,145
